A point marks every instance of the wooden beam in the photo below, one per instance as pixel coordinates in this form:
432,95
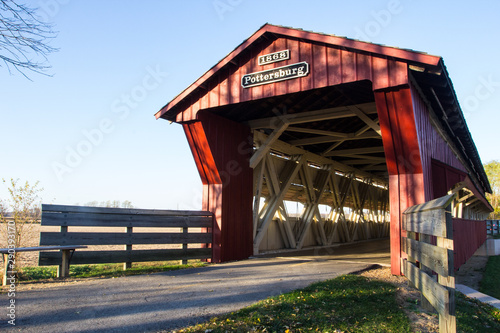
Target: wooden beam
119,256
368,121
439,203
288,174
429,222
310,116
288,229
327,138
315,131
347,152
258,183
290,150
335,145
436,294
434,257
264,148
120,220
311,208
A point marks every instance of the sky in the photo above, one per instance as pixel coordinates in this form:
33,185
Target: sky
88,132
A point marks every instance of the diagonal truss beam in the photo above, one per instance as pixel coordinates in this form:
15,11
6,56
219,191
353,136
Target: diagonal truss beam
266,146
315,191
367,120
335,145
290,150
287,175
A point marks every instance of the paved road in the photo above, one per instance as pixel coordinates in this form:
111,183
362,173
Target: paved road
164,301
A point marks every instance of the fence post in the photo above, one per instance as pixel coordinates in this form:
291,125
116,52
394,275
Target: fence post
61,270
447,321
184,245
128,248
432,218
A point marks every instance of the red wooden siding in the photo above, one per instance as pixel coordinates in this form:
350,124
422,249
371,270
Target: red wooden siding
468,236
432,147
221,149
444,178
406,182
328,66
367,66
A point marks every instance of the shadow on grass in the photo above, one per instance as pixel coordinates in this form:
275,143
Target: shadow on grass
348,303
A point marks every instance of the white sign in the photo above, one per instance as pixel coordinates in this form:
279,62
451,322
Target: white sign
274,57
288,72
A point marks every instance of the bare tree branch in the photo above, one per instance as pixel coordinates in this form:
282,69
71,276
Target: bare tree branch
24,39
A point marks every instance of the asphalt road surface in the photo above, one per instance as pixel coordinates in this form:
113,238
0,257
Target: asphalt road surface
165,301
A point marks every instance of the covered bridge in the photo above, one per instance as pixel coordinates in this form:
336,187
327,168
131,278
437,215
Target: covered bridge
351,133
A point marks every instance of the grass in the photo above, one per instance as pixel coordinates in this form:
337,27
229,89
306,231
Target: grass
474,316
490,284
349,303
103,270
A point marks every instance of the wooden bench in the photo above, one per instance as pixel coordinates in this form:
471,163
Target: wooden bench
62,270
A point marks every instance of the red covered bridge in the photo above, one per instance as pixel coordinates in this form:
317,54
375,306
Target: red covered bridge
349,133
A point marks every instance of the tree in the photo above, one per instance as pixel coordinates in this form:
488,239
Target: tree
20,212
22,36
493,172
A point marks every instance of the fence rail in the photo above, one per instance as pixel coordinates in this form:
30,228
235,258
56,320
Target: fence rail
430,219
128,219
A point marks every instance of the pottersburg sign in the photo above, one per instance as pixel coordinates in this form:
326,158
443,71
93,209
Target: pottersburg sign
288,72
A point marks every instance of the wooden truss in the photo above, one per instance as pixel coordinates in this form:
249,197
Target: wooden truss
466,204
341,203
357,207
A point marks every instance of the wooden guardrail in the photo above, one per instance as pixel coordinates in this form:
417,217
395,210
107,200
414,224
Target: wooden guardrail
95,217
432,218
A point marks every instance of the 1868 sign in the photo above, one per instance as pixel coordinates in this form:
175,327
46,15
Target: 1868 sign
274,57
288,72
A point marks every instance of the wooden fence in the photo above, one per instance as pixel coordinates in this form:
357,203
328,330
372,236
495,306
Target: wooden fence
95,217
432,218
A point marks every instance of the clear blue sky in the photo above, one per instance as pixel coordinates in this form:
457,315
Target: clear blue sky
121,61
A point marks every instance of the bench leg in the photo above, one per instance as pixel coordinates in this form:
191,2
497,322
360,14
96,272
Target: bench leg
63,269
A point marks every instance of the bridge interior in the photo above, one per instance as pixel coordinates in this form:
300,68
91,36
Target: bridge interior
320,174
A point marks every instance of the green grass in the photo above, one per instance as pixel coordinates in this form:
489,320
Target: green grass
102,270
474,316
490,284
349,303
